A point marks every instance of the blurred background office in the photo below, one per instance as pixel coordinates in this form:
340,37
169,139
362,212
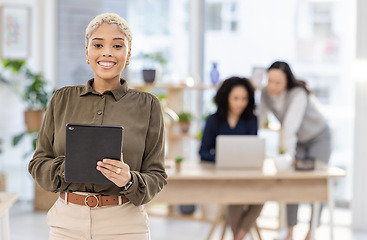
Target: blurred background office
323,40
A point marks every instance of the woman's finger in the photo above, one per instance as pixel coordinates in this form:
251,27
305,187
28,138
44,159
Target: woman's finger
112,165
118,179
116,163
113,168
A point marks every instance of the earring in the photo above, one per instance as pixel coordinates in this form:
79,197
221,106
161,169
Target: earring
127,62
88,62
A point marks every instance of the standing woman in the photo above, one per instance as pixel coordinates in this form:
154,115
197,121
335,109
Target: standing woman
234,116
305,131
115,211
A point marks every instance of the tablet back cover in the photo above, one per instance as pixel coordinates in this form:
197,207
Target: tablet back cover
87,144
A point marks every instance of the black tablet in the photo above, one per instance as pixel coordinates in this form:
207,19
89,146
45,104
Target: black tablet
87,144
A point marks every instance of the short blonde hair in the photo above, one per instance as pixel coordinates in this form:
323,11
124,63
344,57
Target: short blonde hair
110,18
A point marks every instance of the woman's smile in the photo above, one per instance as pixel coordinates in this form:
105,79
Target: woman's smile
106,64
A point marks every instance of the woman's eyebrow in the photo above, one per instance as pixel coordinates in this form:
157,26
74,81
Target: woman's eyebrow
97,39
100,39
119,38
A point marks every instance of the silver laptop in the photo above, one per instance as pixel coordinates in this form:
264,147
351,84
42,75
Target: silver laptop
239,151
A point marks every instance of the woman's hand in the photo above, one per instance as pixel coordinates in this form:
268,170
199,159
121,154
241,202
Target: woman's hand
116,171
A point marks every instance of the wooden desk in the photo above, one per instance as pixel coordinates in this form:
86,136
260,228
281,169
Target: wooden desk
6,201
203,183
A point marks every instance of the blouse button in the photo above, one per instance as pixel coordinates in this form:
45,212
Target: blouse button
102,96
99,113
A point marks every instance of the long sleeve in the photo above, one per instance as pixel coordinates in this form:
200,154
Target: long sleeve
253,126
45,167
207,149
292,121
152,177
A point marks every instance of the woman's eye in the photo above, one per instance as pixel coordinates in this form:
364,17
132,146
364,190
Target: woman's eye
117,46
97,45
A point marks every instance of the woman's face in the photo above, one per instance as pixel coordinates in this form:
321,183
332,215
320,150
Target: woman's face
107,52
238,100
277,82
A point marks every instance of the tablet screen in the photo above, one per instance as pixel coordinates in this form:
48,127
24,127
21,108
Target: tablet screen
85,146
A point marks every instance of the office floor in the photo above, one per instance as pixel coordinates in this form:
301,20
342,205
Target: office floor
28,224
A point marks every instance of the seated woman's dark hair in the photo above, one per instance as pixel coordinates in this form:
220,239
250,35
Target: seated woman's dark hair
291,80
221,99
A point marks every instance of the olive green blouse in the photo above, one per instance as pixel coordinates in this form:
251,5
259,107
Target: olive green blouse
138,112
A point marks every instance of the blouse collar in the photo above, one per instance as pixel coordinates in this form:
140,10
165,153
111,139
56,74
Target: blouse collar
117,93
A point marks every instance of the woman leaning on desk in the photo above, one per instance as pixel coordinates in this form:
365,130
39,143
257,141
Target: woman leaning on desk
104,100
234,116
305,131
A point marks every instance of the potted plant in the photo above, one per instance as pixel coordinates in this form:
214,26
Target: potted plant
34,92
184,119
266,124
178,161
151,62
283,161
18,70
36,97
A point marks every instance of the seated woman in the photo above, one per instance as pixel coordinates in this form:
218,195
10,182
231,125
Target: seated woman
235,116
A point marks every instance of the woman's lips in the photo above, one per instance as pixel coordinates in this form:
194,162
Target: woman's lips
106,64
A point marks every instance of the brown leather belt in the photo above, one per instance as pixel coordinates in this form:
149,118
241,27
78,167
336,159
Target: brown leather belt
93,201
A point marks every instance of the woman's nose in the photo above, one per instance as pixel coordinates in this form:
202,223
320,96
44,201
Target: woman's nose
107,52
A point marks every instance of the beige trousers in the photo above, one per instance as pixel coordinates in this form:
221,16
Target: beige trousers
122,222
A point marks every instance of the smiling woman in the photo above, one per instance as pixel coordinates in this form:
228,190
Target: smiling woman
108,50
107,53
95,210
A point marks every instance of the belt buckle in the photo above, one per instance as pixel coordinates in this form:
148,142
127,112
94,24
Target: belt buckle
86,201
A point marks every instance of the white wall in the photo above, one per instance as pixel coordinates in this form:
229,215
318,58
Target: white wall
269,32
359,206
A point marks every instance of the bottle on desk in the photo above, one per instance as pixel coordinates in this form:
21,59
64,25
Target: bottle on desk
214,74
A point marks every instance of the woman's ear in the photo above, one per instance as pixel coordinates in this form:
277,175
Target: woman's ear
86,52
129,54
